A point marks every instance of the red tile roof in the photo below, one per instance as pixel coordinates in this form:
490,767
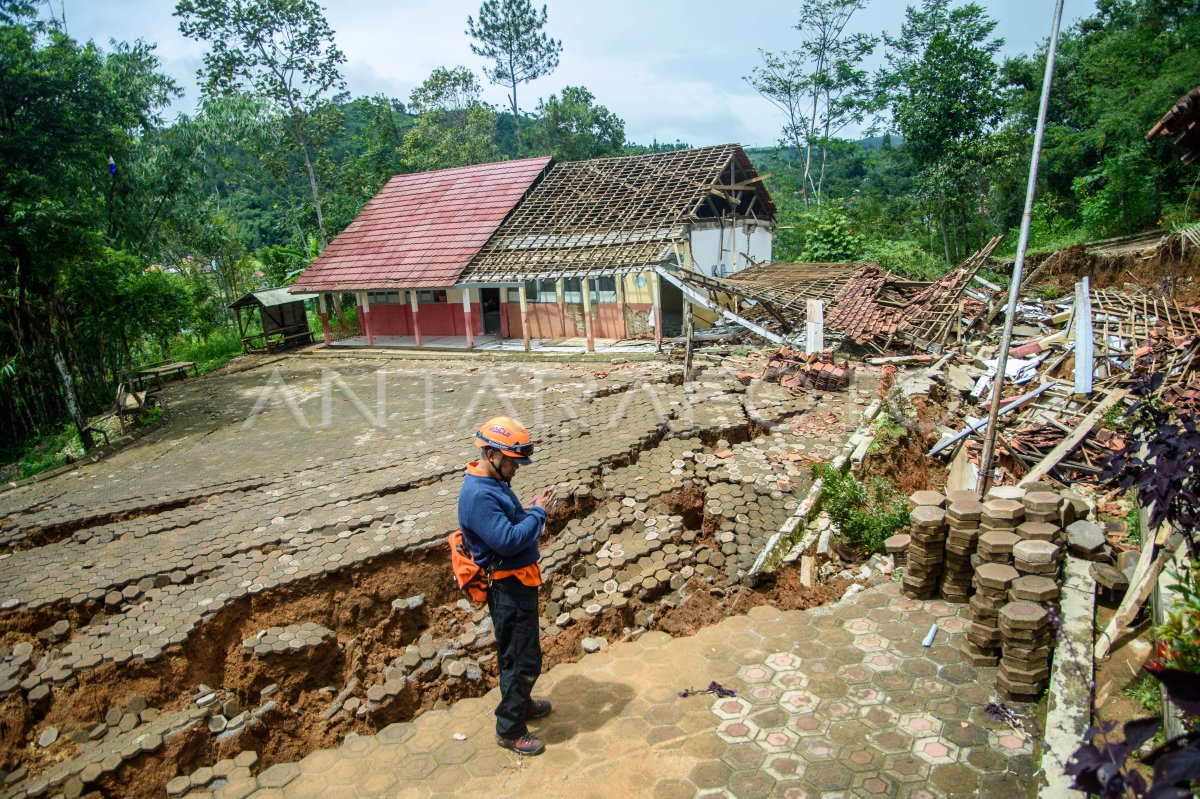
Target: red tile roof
421,230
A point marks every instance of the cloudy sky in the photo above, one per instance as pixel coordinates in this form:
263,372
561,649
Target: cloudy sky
672,69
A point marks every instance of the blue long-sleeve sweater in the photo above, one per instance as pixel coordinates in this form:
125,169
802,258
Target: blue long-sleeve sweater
495,525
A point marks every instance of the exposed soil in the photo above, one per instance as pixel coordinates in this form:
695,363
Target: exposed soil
1165,270
356,604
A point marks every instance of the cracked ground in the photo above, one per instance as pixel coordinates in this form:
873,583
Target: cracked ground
265,573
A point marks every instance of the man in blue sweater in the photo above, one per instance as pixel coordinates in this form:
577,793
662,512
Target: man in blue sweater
502,536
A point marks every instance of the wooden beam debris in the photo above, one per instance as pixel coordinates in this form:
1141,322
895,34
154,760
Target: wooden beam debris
1081,431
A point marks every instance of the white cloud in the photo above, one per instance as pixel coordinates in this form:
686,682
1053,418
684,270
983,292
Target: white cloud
672,69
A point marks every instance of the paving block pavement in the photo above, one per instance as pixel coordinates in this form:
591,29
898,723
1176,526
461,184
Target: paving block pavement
841,701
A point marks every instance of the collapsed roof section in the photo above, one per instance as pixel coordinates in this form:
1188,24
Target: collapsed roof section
868,305
613,215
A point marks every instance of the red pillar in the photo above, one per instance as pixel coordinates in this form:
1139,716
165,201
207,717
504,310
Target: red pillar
412,303
504,316
324,313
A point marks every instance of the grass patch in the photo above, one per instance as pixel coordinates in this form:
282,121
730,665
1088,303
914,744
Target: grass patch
36,455
866,514
888,433
1147,692
207,353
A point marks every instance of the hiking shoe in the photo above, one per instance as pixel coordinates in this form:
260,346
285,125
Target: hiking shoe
538,708
525,745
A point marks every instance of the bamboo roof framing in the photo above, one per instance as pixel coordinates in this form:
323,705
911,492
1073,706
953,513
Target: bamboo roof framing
612,215
789,286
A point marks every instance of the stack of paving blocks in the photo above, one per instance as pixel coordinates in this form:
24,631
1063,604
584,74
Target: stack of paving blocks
963,516
1026,633
1003,555
983,641
926,550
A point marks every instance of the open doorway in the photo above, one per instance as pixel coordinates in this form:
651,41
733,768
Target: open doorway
489,303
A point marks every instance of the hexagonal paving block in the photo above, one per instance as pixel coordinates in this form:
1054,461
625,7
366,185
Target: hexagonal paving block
875,784
880,661
829,777
859,758
865,695
730,707
710,774
906,768
818,750
737,731
784,767
860,626
751,784
855,673
799,701
809,725
278,775
872,642
879,717
936,751
756,673
790,681
1009,742
776,741
783,661
759,695
743,756
919,725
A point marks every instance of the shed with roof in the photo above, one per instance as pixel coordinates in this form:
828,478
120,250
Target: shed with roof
283,316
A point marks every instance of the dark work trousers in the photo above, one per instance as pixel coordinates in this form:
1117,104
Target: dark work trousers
514,609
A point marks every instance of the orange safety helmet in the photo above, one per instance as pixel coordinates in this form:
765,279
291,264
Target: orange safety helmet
507,435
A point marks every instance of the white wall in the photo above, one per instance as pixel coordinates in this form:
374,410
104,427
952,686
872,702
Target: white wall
714,245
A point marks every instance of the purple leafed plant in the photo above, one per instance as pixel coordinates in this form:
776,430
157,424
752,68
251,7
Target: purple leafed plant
1161,462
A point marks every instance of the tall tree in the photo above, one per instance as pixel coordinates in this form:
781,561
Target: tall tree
820,87
65,108
573,128
510,34
941,82
453,128
283,52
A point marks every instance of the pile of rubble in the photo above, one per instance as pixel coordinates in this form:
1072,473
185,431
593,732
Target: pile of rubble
799,372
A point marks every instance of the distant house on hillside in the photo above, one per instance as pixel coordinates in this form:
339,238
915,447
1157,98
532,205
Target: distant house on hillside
536,249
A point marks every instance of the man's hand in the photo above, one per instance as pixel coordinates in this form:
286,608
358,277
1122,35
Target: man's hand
545,499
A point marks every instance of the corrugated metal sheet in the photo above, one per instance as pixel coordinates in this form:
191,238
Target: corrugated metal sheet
270,297
421,230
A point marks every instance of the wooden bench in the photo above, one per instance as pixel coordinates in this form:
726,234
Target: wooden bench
156,374
131,403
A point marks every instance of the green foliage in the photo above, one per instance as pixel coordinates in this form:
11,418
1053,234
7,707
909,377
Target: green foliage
150,416
828,238
887,432
281,265
1179,636
573,128
1147,692
509,34
47,453
281,52
907,258
208,353
866,515
1119,195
